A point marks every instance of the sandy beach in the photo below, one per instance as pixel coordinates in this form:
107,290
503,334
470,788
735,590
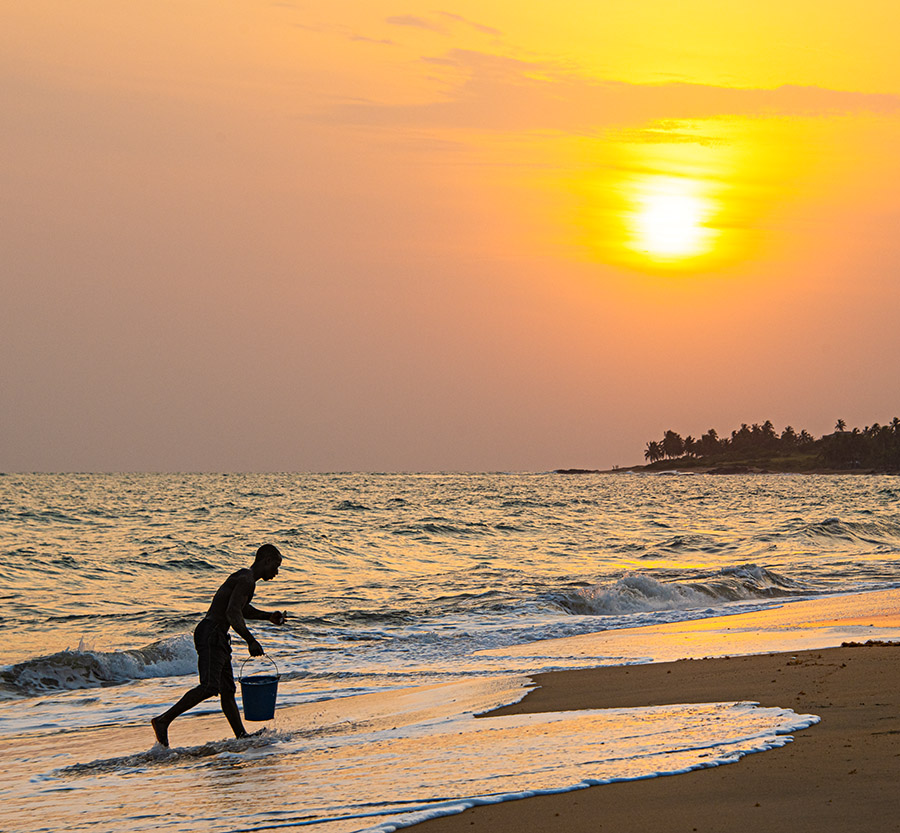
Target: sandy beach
840,775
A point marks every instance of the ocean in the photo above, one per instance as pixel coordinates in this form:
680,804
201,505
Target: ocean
410,599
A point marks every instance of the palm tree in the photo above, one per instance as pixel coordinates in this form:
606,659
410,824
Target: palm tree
710,443
653,452
672,444
840,425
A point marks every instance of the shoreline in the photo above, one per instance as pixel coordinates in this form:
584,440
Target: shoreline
726,470
839,775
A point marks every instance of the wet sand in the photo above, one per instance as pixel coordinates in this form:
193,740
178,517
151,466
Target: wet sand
840,775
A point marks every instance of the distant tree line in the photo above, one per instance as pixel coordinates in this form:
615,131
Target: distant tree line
875,446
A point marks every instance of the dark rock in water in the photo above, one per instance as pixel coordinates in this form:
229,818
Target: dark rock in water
576,471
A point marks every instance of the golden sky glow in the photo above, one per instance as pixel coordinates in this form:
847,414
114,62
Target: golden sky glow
454,233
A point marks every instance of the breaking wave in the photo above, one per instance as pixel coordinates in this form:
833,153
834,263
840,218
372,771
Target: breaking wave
637,592
70,670
883,531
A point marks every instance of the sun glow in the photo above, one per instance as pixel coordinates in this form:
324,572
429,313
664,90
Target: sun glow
669,224
669,220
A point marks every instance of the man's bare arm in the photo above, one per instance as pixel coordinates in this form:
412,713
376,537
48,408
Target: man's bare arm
275,616
240,598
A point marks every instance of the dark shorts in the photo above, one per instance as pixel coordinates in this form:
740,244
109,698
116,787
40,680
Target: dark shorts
213,646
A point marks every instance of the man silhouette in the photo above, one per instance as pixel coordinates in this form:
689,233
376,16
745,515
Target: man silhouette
230,608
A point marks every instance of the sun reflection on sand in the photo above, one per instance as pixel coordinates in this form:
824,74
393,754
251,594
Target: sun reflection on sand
794,626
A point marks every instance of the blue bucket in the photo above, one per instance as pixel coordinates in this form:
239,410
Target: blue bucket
258,693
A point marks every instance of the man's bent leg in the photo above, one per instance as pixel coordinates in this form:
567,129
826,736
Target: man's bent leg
190,699
227,690
232,713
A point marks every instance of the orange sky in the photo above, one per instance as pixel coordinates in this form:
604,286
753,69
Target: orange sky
368,236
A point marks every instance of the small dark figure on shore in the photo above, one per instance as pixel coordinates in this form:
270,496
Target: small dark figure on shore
229,609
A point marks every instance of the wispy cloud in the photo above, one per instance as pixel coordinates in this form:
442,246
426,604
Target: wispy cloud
416,22
502,93
487,30
366,39
342,31
668,131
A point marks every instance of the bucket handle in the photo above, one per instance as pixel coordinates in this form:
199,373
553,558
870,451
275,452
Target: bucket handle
263,656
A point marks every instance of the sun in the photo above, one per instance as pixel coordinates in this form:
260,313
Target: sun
669,220
671,224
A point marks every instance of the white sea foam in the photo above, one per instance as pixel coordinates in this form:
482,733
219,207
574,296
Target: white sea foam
159,755
520,756
386,761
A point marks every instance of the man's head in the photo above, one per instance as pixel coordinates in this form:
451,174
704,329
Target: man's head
267,562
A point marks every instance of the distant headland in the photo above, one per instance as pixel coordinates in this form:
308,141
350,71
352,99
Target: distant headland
757,448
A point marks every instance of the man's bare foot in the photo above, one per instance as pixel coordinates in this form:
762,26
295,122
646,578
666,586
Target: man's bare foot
161,730
246,734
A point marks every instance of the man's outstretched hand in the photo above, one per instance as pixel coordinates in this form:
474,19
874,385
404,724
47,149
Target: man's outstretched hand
278,617
255,648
